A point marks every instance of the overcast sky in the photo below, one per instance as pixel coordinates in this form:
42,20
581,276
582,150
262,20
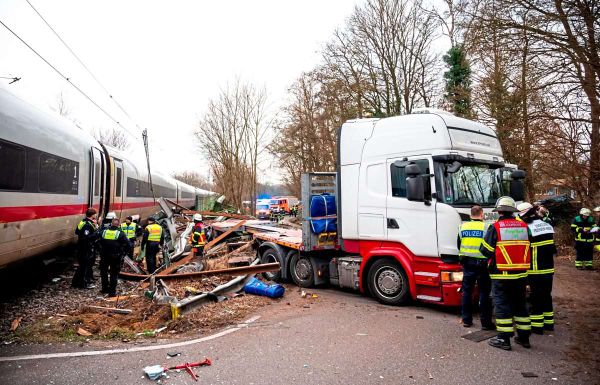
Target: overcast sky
162,60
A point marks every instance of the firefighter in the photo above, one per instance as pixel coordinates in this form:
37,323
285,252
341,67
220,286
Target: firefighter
541,271
474,270
198,236
584,239
114,246
87,235
130,229
506,246
152,238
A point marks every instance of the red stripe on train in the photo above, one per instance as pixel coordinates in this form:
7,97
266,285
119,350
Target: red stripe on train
27,213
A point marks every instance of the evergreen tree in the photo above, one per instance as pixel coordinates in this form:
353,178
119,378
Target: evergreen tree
458,82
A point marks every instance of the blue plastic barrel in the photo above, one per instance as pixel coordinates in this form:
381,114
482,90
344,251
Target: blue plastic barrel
254,286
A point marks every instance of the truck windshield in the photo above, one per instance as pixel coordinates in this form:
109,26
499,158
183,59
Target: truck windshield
262,207
471,184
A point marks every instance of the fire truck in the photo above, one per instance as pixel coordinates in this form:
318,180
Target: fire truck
402,189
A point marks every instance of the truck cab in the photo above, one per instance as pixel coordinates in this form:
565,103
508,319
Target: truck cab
406,184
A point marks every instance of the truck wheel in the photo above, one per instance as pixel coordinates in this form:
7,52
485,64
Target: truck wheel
302,271
270,255
388,282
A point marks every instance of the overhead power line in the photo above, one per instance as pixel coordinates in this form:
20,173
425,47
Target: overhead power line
82,64
68,80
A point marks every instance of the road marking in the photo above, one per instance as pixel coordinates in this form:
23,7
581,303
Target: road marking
137,349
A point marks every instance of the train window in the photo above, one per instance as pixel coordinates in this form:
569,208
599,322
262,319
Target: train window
58,175
12,166
97,177
119,181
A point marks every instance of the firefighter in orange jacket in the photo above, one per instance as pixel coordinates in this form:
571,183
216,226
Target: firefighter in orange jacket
506,246
198,236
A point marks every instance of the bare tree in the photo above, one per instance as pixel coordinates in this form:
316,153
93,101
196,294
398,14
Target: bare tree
384,56
61,106
231,134
112,137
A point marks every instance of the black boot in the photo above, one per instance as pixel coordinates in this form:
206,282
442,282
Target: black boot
488,326
523,341
499,342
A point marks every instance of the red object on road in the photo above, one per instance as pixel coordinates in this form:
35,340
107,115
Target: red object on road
189,365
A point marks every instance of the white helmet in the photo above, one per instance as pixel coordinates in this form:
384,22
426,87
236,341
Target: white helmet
506,204
585,211
597,209
197,217
524,206
111,215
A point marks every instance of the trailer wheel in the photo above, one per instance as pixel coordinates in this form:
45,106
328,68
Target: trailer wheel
270,255
388,282
302,271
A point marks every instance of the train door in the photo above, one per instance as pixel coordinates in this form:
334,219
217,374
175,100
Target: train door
118,197
97,178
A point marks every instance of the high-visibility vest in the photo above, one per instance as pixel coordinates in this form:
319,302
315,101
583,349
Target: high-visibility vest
111,235
129,229
542,247
580,224
471,235
198,237
512,248
154,232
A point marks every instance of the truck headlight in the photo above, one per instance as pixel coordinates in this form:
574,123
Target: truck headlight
452,276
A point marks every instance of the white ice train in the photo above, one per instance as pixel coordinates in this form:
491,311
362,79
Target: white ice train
51,171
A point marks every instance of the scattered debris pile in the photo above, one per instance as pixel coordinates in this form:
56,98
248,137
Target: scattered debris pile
187,294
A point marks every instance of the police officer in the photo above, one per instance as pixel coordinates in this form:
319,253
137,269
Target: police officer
198,236
506,246
541,271
130,229
152,238
474,270
86,236
114,245
584,239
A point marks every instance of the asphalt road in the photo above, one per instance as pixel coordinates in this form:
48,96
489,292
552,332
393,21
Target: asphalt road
342,338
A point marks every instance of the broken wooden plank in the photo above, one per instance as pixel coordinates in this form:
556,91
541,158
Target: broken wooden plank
119,298
223,236
15,324
83,332
242,270
109,309
240,249
215,214
175,265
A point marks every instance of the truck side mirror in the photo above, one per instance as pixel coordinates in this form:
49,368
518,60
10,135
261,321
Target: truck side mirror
415,188
517,185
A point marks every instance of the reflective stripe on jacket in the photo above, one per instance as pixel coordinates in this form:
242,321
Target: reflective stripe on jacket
471,235
507,247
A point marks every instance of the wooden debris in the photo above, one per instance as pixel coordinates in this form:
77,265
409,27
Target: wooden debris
242,270
83,332
223,236
109,309
15,324
215,214
115,299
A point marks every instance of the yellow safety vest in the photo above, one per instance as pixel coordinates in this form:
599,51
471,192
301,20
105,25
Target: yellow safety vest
471,235
111,235
155,231
129,229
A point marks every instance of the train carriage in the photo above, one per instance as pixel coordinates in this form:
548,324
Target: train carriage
51,171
